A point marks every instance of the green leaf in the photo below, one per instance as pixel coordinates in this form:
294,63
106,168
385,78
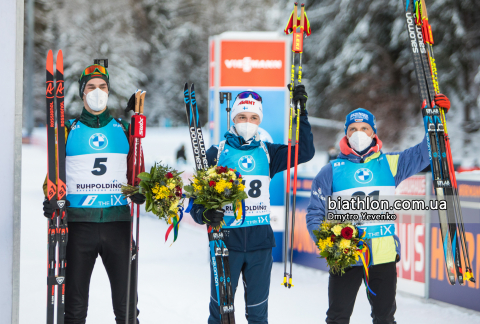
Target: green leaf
144,176
148,204
144,184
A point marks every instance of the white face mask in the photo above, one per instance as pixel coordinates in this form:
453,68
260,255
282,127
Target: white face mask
97,99
246,130
359,141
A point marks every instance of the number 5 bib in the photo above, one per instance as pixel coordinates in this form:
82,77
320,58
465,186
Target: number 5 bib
255,169
96,165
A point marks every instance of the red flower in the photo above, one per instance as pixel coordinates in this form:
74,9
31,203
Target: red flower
347,233
231,180
178,191
232,170
212,183
222,170
332,238
169,175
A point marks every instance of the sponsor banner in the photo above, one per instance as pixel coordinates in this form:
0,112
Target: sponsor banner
252,63
410,229
413,186
211,67
96,200
469,295
305,252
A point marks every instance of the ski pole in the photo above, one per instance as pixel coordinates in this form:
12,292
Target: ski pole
132,207
297,48
297,134
286,275
142,123
228,96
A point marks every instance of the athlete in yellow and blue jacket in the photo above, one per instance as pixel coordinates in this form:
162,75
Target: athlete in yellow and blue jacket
362,169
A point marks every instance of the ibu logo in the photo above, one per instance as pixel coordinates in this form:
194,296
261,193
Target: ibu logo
98,141
363,175
246,163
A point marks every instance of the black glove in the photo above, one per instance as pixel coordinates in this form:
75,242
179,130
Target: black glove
130,104
49,207
213,217
299,94
138,198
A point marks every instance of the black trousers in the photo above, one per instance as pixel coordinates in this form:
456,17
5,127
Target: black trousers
342,292
85,242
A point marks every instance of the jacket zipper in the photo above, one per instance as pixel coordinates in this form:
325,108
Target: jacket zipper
98,122
101,214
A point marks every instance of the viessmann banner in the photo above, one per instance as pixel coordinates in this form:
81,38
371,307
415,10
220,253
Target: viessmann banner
252,64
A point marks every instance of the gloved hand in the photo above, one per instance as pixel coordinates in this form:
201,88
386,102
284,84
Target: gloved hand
442,101
138,198
213,217
49,207
299,94
130,104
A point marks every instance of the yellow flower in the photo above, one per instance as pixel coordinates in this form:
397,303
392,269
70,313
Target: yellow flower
344,244
221,185
328,242
161,192
337,230
196,185
232,175
171,185
321,244
241,187
325,226
211,171
174,206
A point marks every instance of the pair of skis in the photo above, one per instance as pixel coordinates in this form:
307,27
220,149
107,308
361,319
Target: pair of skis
295,26
137,132
444,181
218,249
56,190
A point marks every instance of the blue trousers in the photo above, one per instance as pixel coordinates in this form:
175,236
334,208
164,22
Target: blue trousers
256,268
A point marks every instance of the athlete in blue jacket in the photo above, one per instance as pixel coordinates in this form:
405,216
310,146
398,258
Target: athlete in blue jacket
250,244
362,169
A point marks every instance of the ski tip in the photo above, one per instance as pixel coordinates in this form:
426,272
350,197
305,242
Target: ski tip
60,61
50,61
185,86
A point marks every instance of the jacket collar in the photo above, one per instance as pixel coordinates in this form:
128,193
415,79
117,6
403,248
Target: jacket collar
95,121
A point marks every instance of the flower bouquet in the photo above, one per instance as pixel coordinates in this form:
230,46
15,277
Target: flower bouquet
162,187
339,244
216,187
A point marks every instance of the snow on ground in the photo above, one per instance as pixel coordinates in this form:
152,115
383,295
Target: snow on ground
174,280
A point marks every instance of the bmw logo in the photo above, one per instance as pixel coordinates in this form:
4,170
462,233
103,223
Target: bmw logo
246,163
363,175
98,141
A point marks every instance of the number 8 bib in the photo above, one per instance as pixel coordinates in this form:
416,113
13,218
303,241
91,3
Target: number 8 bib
255,169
